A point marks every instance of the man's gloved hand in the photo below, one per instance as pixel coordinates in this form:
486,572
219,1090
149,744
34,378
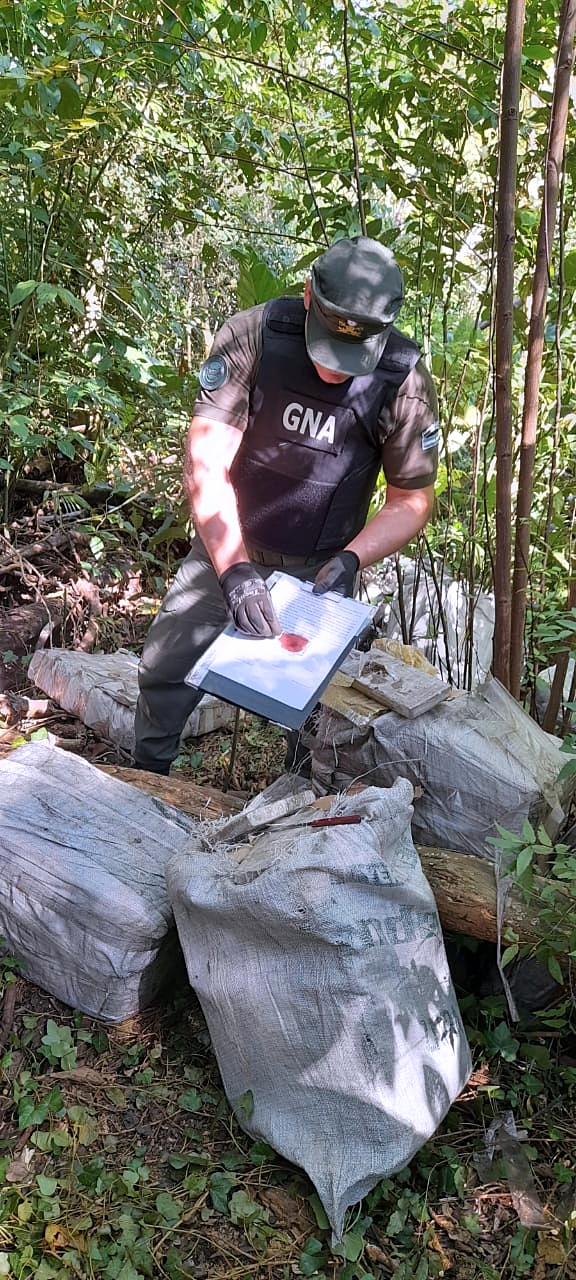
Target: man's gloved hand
249,601
338,575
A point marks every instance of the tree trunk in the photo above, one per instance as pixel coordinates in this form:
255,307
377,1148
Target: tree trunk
504,331
554,166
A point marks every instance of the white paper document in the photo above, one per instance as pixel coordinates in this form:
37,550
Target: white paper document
283,678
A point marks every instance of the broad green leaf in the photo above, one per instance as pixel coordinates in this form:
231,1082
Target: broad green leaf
311,1257
555,970
567,771
190,1100
319,1211
168,1207
22,291
256,283
46,1186
48,96
258,35
244,1105
46,293
70,102
243,1209
221,1185
353,1244
501,1041
537,51
524,861
528,832
395,1223
20,425
68,297
66,447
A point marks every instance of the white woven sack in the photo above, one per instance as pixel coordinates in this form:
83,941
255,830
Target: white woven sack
320,966
101,689
479,762
83,901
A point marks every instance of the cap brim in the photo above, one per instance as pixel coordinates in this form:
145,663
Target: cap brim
350,358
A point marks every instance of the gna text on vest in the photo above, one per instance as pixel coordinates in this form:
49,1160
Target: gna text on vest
297,417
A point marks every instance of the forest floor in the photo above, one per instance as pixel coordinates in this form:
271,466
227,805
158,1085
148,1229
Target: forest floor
119,1154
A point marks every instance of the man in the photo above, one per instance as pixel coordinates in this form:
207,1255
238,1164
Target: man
301,402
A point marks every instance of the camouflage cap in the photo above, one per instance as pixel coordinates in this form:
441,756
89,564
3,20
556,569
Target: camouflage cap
356,292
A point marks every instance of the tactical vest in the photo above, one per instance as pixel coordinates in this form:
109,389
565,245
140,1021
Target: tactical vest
308,463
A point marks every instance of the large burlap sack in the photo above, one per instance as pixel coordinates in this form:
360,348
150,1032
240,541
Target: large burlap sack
477,762
320,966
101,689
83,902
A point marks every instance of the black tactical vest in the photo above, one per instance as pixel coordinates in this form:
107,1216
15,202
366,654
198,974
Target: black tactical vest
309,459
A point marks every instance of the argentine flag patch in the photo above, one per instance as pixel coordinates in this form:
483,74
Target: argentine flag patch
431,436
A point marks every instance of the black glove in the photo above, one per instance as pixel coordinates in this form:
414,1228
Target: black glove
249,601
338,575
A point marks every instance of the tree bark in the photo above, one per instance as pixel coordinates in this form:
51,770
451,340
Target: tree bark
20,628
199,802
504,332
554,167
465,891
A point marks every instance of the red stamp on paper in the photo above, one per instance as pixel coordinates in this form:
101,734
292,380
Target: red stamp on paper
292,642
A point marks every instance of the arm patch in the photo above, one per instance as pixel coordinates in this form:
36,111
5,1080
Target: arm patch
430,437
214,373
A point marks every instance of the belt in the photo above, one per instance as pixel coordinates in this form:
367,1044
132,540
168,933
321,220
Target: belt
277,559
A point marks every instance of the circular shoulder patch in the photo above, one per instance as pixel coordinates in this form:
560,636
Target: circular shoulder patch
214,373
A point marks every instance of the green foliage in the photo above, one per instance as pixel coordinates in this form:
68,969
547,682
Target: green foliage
58,1046
161,166
87,1199
552,899
164,165
568,770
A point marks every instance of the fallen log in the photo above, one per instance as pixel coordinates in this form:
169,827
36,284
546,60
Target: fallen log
21,625
464,886
93,495
465,890
199,802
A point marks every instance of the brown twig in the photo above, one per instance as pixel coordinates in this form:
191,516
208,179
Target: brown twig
8,1011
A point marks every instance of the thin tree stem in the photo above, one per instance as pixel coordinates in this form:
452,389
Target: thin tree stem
353,135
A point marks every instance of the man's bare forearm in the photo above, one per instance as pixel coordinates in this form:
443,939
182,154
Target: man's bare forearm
210,450
404,514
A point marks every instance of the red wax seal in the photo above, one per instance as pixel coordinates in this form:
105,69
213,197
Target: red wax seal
292,642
